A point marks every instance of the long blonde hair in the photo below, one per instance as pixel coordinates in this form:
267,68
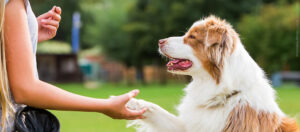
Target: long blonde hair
6,102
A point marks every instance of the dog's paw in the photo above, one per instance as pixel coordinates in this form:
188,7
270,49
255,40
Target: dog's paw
135,104
141,125
138,104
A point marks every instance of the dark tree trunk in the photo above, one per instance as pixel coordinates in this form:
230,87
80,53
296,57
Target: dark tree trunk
140,75
128,78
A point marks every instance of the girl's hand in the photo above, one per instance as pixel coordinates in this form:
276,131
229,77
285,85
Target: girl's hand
117,107
48,24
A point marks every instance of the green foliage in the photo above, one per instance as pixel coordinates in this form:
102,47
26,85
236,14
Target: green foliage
54,47
104,27
270,37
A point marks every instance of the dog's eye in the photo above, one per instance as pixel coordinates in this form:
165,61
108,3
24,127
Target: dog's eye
192,37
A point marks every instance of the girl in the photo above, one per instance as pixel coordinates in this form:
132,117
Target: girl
20,32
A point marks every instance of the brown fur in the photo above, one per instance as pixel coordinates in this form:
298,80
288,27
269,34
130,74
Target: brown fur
244,118
288,125
211,42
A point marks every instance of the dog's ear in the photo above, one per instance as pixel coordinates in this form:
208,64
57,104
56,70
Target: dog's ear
216,35
216,41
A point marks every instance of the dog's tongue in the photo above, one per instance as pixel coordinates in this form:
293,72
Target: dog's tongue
179,64
173,62
185,63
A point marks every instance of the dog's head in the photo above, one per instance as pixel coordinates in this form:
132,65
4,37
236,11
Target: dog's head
204,48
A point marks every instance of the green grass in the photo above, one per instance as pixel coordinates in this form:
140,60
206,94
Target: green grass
167,96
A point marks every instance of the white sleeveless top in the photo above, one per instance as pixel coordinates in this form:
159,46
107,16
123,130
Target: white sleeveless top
33,30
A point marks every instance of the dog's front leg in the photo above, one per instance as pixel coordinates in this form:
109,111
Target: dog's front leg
156,118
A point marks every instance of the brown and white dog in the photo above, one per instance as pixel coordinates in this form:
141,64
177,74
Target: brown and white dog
229,91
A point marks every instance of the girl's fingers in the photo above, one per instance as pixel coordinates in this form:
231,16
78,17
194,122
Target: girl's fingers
46,15
133,93
50,22
53,8
136,113
50,27
53,13
126,97
57,10
137,117
56,16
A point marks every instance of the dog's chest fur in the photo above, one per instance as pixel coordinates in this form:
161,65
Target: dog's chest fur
206,106
205,109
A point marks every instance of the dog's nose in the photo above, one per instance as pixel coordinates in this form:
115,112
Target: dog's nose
162,42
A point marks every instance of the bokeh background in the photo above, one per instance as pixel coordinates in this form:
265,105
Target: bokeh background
109,47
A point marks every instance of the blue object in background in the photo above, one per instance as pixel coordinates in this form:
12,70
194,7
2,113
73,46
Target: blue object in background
75,32
91,70
276,79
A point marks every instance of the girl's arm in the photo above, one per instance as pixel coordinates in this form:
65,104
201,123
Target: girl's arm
29,90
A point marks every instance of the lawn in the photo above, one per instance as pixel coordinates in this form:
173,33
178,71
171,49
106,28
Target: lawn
167,96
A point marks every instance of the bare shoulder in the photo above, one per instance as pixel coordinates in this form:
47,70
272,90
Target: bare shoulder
14,5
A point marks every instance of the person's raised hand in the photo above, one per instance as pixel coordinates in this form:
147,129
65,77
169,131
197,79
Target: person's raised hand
117,107
48,24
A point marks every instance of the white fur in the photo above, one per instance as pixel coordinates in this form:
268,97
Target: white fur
240,73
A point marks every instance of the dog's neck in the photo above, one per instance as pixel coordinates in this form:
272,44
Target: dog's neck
239,67
239,74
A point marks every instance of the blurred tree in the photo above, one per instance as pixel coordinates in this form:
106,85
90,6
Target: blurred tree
151,20
270,37
102,25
